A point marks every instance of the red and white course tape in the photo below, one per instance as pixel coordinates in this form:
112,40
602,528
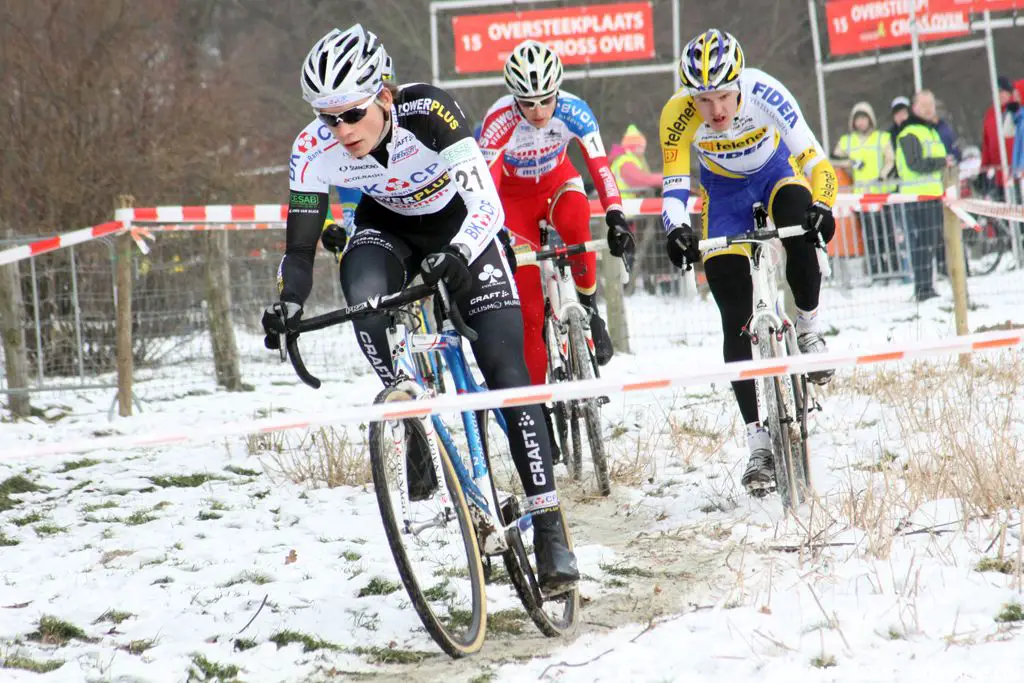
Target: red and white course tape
724,372
273,216
60,241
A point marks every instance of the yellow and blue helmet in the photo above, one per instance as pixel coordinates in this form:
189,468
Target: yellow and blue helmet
711,61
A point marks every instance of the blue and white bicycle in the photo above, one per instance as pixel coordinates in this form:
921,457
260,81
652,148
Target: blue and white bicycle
441,536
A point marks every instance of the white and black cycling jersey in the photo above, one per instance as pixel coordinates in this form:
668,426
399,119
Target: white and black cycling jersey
428,162
432,159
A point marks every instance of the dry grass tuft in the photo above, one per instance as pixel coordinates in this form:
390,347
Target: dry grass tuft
321,457
956,433
666,440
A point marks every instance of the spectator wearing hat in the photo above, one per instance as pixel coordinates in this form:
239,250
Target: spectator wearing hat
630,167
1009,105
869,152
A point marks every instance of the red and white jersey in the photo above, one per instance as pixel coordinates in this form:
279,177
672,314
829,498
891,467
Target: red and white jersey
521,155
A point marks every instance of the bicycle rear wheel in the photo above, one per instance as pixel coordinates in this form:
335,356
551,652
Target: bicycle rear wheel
590,408
433,540
985,248
554,617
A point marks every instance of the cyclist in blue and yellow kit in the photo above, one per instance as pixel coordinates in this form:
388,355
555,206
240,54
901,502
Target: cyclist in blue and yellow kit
754,146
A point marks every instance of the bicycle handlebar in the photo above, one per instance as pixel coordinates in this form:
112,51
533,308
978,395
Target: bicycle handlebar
364,309
752,236
531,258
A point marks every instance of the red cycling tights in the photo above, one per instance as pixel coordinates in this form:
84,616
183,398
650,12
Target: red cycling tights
568,211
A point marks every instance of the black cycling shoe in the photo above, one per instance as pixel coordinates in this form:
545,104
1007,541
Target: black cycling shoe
556,565
603,348
419,470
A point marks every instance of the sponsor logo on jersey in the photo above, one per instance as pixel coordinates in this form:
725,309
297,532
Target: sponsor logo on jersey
395,184
463,150
481,220
777,101
303,200
676,182
674,131
490,295
806,156
423,195
490,275
420,106
498,127
751,139
403,154
578,114
670,155
305,142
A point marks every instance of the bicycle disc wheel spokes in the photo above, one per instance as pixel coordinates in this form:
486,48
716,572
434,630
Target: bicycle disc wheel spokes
432,538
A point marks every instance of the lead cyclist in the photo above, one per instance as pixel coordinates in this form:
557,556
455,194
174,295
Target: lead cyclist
753,145
428,206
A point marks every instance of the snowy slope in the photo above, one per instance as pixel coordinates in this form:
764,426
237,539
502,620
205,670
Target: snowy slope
686,577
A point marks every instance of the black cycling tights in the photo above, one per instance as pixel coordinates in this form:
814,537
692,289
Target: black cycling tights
729,279
369,270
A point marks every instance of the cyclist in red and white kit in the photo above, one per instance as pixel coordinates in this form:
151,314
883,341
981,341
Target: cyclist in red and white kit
524,138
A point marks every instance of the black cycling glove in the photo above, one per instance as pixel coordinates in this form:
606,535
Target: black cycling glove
682,247
280,318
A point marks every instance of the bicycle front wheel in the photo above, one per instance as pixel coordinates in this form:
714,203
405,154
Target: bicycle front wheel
778,416
432,539
583,368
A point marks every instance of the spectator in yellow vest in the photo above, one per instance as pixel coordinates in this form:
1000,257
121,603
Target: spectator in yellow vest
869,152
630,167
868,149
921,158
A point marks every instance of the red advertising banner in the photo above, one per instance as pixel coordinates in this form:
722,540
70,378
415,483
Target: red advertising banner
580,35
859,25
991,5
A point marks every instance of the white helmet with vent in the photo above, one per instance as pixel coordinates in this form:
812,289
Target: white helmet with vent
533,70
344,66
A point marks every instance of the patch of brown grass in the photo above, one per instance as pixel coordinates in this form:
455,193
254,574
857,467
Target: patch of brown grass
319,457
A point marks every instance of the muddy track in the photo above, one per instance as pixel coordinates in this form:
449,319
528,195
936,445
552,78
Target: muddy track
657,574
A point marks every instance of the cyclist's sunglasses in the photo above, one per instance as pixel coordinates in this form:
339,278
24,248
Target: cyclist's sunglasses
349,116
531,103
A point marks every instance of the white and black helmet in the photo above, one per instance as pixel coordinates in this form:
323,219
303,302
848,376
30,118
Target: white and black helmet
533,70
344,66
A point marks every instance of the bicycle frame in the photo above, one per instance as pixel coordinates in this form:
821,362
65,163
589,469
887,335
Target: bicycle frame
475,481
768,300
561,304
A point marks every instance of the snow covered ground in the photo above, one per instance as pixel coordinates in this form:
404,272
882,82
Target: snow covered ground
202,562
